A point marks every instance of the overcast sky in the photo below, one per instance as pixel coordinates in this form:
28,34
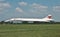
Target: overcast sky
29,9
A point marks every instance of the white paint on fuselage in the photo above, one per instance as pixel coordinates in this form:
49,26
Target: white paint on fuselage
29,19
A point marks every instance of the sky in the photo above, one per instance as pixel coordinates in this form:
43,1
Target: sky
29,9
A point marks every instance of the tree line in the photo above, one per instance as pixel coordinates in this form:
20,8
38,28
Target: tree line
25,22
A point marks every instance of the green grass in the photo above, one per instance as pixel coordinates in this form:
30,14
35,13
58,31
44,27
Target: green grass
30,30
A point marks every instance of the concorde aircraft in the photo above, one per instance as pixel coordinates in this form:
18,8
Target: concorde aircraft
46,19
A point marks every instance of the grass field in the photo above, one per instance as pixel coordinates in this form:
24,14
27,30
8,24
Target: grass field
30,30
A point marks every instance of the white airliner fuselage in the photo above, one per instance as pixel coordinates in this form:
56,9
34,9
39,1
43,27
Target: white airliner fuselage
46,19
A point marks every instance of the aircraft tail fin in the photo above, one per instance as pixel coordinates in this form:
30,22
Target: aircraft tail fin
48,17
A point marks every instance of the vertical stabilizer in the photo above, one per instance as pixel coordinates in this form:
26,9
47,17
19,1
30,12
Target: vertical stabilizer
48,17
